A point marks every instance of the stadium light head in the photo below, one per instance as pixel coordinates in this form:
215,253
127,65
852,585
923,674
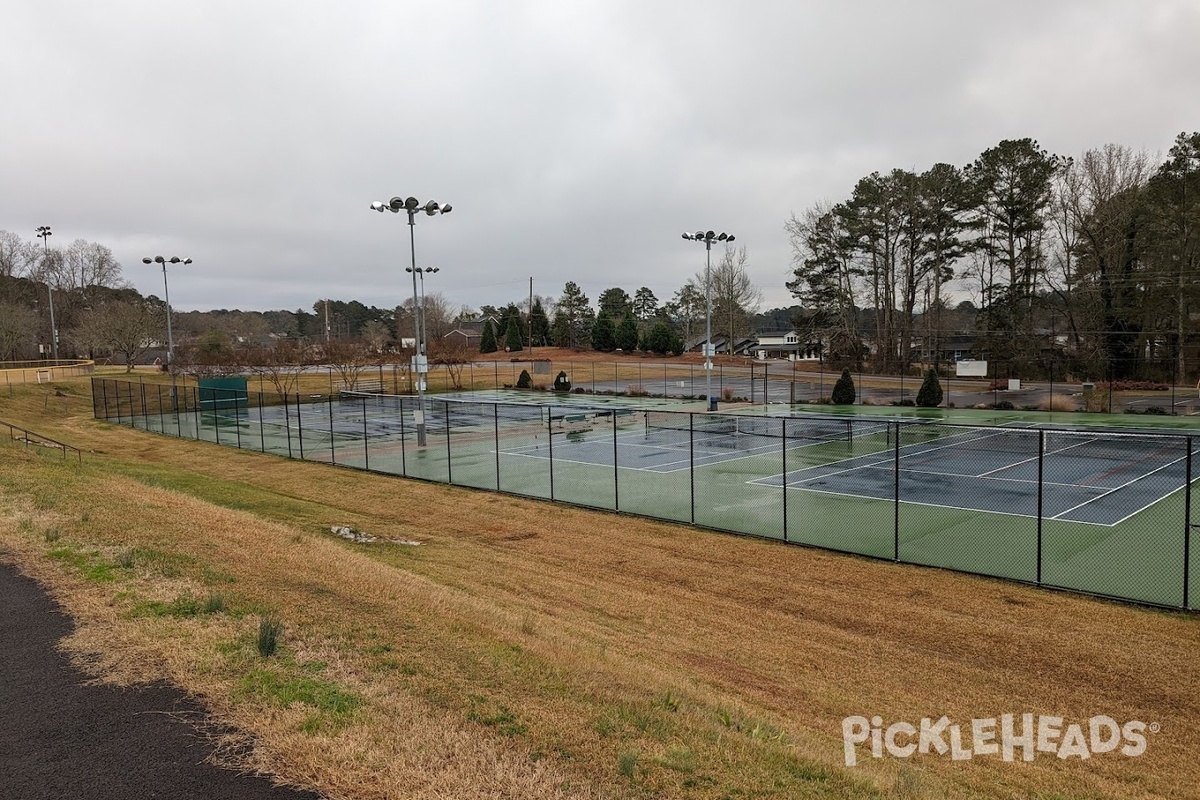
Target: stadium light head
722,237
187,261
396,204
709,235
432,208
730,239
147,260
686,236
698,235
175,259
378,206
411,203
159,260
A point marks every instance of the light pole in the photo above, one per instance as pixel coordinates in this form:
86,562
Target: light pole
167,299
421,271
44,233
708,238
420,365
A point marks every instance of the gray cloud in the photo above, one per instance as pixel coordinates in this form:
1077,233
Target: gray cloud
575,140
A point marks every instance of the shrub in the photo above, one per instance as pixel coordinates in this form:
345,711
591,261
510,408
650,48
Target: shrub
525,381
1095,400
1004,405
578,390
930,394
843,390
908,401
561,382
727,394
637,391
1156,410
1058,402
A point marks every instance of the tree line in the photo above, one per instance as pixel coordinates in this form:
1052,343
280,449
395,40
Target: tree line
98,312
1091,261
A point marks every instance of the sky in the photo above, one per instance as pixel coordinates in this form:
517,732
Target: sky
575,140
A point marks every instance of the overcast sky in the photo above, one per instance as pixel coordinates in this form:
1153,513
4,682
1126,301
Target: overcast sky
575,140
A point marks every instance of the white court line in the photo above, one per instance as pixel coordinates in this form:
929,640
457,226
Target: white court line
1122,486
937,505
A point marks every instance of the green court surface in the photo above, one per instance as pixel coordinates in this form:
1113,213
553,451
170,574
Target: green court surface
976,491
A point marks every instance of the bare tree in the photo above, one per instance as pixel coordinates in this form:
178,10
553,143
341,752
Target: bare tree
454,356
349,358
376,334
18,258
127,328
17,326
734,295
282,365
87,264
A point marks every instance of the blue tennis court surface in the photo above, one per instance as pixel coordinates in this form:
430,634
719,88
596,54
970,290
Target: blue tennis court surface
1086,478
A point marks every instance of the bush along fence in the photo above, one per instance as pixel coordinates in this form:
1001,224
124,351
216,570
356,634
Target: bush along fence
1091,510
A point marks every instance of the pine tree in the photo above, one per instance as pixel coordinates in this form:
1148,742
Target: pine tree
539,324
525,381
843,390
512,339
930,394
487,343
604,334
626,337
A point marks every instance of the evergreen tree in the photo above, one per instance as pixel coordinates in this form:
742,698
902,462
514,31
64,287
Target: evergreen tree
616,302
930,394
487,343
660,339
843,390
604,334
560,331
525,381
512,339
626,337
562,383
539,324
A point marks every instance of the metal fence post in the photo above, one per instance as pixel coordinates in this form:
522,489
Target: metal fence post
162,425
496,431
449,455
896,490
366,446
616,474
300,426
262,434
287,423
1041,487
692,461
332,451
403,442
550,439
237,418
783,437
1187,528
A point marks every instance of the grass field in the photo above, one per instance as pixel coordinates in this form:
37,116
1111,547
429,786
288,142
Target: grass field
534,650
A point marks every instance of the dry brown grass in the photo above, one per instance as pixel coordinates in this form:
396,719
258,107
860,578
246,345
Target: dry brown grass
1059,402
530,650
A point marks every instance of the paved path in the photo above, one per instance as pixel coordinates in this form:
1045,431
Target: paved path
61,739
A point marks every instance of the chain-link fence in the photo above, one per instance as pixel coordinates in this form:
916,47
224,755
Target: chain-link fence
1092,510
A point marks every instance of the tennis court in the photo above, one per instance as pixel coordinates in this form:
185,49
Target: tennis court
1098,511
